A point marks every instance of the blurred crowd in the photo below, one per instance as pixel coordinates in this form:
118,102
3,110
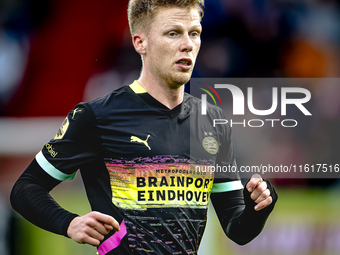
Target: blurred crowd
77,50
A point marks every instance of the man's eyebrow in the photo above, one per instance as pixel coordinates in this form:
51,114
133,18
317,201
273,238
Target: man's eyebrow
178,26
173,26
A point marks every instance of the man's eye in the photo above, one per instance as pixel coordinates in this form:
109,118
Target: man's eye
172,33
194,34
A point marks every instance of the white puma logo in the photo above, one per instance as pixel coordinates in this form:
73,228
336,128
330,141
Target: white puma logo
138,140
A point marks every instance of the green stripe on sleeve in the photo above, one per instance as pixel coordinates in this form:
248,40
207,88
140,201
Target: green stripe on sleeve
51,170
226,186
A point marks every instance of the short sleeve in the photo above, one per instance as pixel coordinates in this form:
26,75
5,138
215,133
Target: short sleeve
74,145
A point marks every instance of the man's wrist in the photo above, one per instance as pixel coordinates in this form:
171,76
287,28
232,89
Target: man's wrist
67,222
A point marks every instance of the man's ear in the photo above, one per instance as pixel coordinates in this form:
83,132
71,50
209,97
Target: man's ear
139,42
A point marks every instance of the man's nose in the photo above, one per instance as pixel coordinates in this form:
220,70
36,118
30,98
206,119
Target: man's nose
187,44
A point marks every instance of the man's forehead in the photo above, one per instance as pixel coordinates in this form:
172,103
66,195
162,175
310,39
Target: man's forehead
173,13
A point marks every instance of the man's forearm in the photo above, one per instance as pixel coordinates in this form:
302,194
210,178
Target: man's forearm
30,197
247,225
238,218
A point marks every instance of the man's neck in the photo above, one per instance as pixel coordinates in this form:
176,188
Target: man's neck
170,97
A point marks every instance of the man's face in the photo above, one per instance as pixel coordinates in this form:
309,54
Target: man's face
173,42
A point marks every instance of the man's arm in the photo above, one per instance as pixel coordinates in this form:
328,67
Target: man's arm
30,197
75,145
243,213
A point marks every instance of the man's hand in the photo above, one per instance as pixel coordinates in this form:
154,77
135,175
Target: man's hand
259,192
91,228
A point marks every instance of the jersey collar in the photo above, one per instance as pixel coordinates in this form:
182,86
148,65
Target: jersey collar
138,89
147,98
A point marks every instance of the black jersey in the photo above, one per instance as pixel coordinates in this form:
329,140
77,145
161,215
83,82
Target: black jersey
145,165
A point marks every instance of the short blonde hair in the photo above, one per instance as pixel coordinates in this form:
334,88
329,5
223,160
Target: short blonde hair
141,12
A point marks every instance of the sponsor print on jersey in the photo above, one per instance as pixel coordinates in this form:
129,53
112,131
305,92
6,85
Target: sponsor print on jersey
143,185
62,130
51,150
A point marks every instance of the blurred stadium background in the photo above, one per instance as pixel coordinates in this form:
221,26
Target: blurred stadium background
56,53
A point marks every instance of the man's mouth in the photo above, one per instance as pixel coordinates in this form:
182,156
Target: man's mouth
184,63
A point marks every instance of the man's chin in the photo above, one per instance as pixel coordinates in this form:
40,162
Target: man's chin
181,79
177,79
178,84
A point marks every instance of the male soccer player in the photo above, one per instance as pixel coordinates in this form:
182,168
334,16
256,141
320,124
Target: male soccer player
140,150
